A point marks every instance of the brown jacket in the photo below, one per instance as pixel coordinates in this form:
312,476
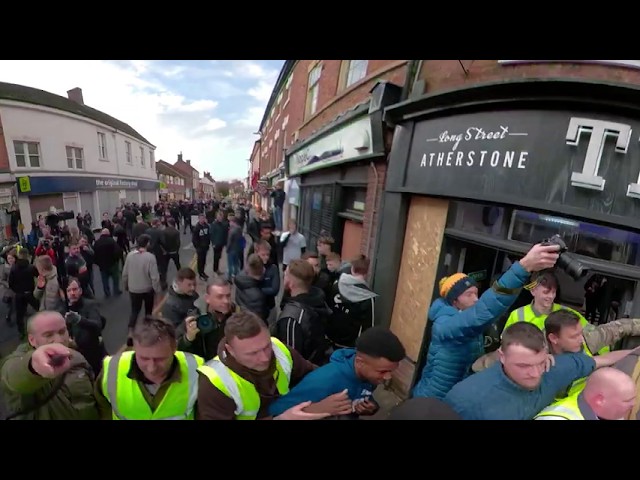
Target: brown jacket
215,405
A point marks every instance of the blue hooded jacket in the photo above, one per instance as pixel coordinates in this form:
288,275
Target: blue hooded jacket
457,337
339,374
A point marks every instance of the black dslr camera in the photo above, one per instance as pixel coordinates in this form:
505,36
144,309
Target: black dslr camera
572,267
205,323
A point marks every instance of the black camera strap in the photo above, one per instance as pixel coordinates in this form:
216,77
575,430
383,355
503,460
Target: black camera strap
505,291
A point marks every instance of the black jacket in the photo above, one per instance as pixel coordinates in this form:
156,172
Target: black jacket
249,295
200,236
302,324
107,252
172,240
22,277
87,332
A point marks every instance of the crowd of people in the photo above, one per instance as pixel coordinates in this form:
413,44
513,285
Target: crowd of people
285,331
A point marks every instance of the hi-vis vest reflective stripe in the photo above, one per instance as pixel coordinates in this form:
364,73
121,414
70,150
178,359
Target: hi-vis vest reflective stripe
566,408
242,392
525,314
127,401
577,386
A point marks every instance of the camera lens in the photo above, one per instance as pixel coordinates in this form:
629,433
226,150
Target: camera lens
574,268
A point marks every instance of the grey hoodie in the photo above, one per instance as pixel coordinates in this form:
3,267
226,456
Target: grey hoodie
353,310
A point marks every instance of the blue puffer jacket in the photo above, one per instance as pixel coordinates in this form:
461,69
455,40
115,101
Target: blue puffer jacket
457,338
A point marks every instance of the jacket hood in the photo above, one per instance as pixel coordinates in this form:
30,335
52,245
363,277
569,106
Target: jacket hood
354,289
52,274
345,358
313,299
245,282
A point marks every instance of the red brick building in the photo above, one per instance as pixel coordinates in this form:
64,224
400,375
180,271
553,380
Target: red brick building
191,174
172,182
492,156
323,131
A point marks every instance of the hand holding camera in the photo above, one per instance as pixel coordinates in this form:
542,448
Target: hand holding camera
540,257
72,318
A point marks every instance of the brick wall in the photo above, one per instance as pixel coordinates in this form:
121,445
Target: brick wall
332,103
371,213
448,74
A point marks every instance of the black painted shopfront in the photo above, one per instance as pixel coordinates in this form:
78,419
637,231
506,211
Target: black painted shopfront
519,162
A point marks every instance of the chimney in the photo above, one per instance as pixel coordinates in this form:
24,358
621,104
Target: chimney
75,94
188,162
180,157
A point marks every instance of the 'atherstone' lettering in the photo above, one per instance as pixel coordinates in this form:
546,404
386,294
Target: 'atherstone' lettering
496,158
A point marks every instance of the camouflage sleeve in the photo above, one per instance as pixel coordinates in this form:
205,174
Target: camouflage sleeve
485,361
605,335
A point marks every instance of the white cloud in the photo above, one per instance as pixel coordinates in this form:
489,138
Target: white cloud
261,92
163,116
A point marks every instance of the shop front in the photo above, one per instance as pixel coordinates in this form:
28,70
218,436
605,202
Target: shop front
478,175
328,176
37,194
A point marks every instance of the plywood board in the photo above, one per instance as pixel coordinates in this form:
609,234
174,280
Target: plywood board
421,252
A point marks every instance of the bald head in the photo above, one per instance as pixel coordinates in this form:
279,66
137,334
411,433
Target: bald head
610,392
47,327
105,231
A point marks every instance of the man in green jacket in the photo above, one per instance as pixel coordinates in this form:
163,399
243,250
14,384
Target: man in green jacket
45,379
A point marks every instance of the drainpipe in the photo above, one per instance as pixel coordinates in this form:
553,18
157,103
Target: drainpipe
375,195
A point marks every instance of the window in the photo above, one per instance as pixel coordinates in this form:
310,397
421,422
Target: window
142,156
151,159
75,158
102,146
27,154
356,70
129,155
313,89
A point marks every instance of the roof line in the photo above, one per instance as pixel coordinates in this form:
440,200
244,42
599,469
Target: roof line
287,68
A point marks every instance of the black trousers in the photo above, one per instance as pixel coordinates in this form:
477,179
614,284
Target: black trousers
202,259
137,300
176,259
217,255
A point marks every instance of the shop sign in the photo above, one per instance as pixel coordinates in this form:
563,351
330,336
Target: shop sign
570,162
347,143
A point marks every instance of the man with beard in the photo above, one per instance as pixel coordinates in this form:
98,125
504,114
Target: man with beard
85,324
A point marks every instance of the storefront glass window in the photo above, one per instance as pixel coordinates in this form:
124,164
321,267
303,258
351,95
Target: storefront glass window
477,218
591,240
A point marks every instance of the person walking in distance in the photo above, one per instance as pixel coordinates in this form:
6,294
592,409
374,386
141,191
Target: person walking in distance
219,230
141,279
200,238
172,242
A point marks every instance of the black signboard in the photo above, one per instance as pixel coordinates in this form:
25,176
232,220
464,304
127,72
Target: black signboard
577,163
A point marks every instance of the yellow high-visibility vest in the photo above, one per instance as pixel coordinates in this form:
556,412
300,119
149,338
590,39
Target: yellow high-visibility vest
126,398
242,392
566,408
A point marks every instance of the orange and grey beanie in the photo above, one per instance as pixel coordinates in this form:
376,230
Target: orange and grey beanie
453,286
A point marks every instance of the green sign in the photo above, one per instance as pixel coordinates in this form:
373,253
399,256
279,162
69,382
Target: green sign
25,184
478,276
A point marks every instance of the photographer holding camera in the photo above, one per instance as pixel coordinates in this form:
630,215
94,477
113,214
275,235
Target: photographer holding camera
459,318
45,246
204,327
85,324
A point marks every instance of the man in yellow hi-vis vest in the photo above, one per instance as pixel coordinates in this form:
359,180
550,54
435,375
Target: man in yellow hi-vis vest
543,290
152,382
609,394
565,334
251,370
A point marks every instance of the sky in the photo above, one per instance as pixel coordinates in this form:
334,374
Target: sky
206,109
